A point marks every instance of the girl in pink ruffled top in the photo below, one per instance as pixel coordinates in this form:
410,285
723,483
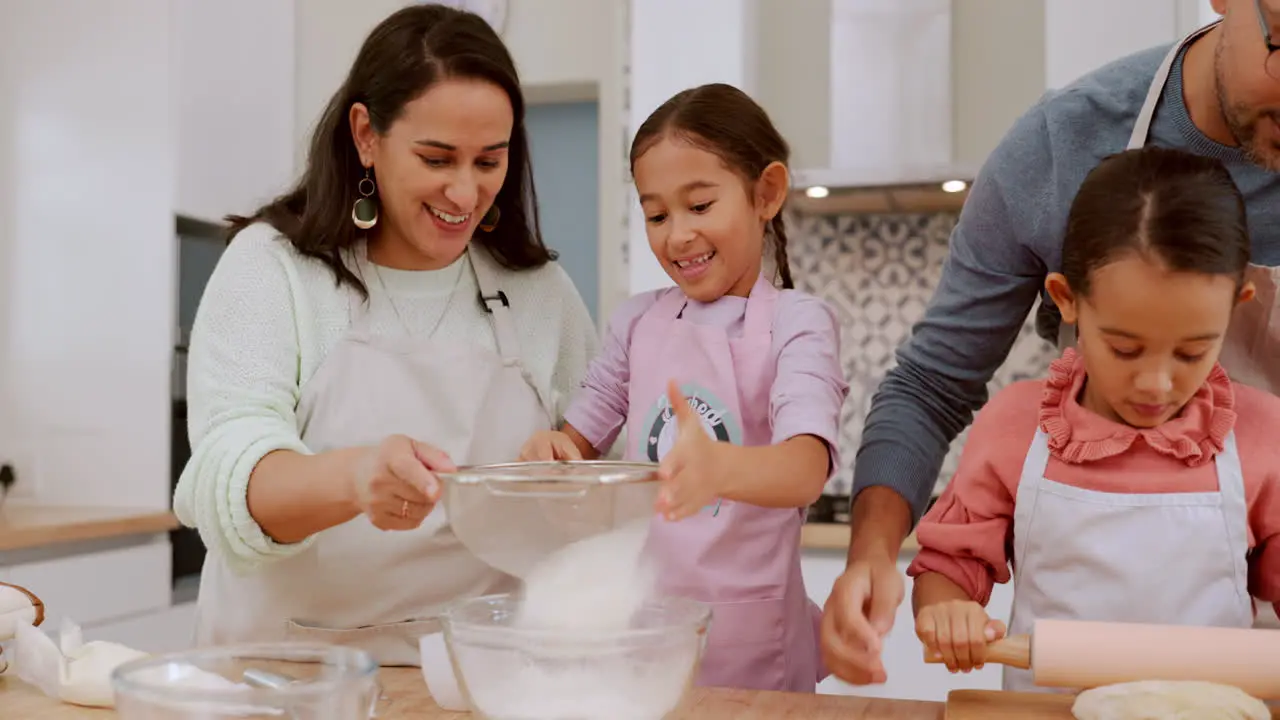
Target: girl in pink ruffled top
1137,483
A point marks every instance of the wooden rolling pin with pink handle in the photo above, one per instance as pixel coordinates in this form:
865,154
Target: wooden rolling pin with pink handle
1076,654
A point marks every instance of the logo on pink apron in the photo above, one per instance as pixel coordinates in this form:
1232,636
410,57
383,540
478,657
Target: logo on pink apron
717,421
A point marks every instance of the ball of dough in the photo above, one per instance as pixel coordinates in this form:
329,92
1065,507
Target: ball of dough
1168,700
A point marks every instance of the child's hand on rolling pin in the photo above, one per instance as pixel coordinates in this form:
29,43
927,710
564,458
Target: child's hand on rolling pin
957,631
549,445
692,471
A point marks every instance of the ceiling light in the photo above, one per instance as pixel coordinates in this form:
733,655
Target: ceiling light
954,186
817,191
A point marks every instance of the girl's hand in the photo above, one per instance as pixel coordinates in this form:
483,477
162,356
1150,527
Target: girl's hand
692,471
549,445
393,484
957,631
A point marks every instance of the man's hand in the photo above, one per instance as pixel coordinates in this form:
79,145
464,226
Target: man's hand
865,599
858,616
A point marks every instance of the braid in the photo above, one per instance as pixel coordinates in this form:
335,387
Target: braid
780,251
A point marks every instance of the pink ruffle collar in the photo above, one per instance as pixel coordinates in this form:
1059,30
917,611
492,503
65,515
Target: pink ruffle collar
1077,435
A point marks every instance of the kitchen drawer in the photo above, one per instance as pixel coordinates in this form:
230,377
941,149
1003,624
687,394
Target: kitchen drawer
98,586
172,629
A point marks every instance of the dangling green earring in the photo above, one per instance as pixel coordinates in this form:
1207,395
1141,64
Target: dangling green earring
365,212
490,219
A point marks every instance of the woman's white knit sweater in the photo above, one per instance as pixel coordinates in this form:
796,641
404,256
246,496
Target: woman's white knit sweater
268,318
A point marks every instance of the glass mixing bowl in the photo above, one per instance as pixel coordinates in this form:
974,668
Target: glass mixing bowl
284,681
514,515
511,673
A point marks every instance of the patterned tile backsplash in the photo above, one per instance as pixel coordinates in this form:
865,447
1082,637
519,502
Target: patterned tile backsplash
878,272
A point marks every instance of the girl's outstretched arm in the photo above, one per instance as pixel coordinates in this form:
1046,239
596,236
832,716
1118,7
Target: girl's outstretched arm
791,473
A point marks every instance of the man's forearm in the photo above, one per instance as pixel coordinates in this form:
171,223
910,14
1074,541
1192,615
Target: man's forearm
914,416
880,520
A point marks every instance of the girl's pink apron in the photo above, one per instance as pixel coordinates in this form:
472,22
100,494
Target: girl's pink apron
743,559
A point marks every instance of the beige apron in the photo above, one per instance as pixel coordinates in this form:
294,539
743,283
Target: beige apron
358,585
1251,351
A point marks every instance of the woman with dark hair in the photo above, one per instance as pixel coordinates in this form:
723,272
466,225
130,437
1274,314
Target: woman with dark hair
394,313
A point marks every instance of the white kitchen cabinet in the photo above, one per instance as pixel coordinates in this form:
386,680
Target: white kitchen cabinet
234,101
86,251
99,586
909,677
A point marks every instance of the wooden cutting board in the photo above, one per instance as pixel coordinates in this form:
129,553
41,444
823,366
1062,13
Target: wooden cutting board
998,705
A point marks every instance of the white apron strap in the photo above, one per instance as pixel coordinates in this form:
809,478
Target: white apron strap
1033,468
1234,505
1142,126
495,303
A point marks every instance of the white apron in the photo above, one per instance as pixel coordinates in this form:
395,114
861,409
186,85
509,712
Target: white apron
358,585
1168,558
1251,351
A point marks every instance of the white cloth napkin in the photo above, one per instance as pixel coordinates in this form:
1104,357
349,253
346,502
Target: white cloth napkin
77,672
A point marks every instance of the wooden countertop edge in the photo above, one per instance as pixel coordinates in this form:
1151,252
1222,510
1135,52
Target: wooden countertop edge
31,526
28,526
405,697
835,536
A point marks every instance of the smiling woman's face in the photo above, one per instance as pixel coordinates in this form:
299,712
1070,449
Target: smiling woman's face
438,170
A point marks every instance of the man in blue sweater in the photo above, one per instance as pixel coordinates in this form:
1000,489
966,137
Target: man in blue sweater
1217,94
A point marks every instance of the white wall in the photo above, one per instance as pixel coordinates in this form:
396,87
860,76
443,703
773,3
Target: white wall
564,50
793,72
1083,35
87,250
997,69
714,41
234,104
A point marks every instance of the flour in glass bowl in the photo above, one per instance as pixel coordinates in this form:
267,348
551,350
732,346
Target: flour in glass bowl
594,587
